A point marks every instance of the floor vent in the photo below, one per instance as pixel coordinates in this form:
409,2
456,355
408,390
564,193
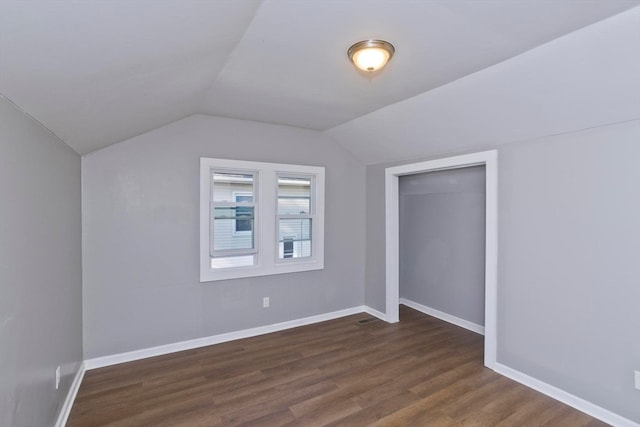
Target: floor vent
367,320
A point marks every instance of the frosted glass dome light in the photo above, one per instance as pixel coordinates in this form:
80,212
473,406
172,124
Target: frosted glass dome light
371,55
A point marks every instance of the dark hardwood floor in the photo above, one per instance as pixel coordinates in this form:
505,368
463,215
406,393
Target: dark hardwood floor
419,372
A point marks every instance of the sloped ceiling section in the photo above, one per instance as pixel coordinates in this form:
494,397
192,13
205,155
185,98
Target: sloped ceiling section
585,79
98,72
291,66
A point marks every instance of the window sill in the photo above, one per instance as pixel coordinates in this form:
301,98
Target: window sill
293,266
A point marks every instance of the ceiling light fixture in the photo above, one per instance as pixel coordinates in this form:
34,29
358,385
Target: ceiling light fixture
371,55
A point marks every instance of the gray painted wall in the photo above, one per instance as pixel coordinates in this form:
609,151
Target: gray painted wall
568,224
40,270
568,290
140,230
569,244
374,292
442,238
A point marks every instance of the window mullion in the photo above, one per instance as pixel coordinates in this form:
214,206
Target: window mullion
268,218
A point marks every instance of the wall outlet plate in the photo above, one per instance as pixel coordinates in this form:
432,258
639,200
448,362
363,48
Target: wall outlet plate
637,377
265,302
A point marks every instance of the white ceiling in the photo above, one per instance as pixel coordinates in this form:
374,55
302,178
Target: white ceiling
98,72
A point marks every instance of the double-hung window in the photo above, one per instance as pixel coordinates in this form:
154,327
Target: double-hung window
295,216
232,227
259,218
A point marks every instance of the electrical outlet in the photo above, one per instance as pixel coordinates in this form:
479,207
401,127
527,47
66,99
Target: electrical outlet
637,377
265,302
57,377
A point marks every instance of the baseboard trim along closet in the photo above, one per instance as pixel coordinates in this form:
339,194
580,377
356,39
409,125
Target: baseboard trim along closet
375,313
544,388
565,397
71,397
443,316
144,353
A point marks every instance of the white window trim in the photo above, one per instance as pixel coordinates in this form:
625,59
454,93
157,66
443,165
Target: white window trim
235,252
266,192
310,215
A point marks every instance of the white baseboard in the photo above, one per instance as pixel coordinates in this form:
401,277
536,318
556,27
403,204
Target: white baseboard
130,356
565,397
551,391
375,313
71,397
443,316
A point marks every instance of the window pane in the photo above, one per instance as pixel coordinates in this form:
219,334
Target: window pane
294,196
294,238
243,225
226,184
225,223
233,261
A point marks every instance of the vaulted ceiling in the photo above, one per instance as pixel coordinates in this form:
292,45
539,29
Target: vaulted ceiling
98,72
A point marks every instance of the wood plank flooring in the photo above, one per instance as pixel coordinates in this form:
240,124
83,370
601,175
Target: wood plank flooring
419,372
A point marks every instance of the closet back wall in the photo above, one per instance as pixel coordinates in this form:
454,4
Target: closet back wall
442,241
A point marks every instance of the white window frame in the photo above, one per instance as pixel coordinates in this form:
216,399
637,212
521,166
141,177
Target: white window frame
265,221
309,215
254,204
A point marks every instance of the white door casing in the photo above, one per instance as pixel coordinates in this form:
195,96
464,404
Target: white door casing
392,233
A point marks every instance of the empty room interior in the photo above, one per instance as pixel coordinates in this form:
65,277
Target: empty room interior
308,213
